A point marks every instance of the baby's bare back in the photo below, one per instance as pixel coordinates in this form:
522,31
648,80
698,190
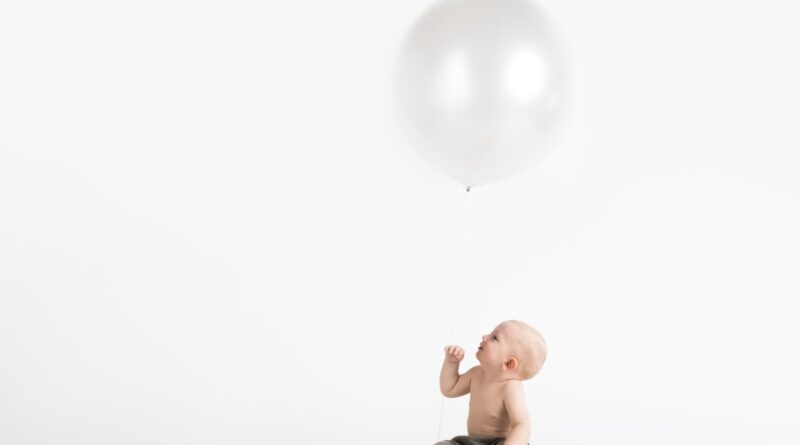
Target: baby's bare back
487,413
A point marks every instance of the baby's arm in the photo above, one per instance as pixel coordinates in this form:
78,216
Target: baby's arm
450,383
514,401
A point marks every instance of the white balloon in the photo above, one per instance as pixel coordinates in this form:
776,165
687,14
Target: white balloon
482,87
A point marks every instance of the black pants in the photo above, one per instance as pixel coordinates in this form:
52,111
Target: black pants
473,440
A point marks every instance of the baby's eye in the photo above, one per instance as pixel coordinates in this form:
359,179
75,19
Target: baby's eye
494,337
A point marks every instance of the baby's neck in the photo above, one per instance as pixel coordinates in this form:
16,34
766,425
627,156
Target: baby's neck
497,375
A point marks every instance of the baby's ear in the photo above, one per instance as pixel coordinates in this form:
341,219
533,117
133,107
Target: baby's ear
512,363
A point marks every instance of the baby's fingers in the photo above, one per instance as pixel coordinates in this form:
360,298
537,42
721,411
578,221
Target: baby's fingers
452,349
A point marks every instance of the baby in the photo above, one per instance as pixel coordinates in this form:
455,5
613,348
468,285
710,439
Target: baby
510,354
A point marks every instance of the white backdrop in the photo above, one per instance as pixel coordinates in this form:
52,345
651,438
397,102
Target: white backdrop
213,231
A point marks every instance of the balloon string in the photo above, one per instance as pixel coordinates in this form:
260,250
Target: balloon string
441,408
452,306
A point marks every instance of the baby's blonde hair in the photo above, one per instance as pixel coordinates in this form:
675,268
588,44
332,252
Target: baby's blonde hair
530,348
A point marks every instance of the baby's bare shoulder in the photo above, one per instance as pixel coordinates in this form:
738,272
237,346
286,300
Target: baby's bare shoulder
513,392
513,387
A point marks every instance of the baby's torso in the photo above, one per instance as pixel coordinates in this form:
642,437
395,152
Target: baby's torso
487,414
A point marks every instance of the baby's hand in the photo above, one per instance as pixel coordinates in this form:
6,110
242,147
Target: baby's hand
453,354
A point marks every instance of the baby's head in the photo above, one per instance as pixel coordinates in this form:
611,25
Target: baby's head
514,347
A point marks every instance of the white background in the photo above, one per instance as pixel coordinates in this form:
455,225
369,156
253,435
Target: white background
213,231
